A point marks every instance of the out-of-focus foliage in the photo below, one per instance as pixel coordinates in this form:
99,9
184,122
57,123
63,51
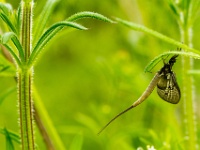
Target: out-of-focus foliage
84,85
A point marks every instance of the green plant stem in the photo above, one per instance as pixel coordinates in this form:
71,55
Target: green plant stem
26,29
49,127
25,81
43,131
25,106
187,93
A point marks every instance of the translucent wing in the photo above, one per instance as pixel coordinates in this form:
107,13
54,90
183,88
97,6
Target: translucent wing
168,89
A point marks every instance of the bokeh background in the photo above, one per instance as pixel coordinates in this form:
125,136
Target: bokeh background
84,78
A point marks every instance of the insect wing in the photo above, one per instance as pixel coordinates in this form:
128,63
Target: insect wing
168,89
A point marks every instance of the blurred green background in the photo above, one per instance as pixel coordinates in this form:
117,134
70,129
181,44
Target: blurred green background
85,78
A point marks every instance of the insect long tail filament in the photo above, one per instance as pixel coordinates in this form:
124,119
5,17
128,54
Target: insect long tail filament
115,118
144,96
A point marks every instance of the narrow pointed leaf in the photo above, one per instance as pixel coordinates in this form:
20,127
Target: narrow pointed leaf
13,54
49,34
9,143
12,36
156,60
4,68
174,7
8,22
43,18
87,14
156,34
7,69
8,36
18,18
15,137
6,8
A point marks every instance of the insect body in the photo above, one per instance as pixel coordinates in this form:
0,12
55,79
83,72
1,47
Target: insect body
167,88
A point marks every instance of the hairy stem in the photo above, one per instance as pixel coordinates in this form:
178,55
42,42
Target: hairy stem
25,81
26,29
25,106
188,92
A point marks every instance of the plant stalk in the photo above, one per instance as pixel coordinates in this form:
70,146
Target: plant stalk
25,81
54,141
190,135
25,106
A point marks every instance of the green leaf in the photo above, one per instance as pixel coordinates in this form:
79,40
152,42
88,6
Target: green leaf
6,8
9,143
174,7
13,54
49,34
9,137
43,18
7,68
5,94
7,36
10,35
77,142
15,137
87,14
156,34
156,60
4,68
18,17
6,19
8,72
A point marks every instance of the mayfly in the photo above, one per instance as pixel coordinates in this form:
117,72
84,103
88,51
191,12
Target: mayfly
167,88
